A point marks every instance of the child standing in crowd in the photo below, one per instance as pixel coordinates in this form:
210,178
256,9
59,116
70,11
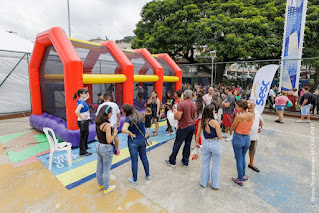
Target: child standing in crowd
211,147
170,101
104,149
254,133
200,107
171,119
148,120
83,113
241,139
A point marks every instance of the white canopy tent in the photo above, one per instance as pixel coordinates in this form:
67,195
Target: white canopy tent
14,76
12,42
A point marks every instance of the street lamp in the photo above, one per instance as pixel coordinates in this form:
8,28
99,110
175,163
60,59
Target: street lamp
213,55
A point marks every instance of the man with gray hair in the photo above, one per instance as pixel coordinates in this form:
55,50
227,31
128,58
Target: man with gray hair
186,111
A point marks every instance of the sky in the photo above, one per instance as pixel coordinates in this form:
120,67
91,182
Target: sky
89,18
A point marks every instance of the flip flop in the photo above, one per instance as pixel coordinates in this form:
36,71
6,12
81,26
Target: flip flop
154,135
237,181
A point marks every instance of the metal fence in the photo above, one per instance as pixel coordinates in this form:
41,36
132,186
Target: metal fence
243,72
15,91
14,82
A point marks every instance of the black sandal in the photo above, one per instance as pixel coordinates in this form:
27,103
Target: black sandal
253,168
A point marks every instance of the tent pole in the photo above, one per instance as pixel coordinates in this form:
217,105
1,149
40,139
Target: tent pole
12,70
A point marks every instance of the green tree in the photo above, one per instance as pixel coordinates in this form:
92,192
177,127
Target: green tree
237,29
311,40
231,27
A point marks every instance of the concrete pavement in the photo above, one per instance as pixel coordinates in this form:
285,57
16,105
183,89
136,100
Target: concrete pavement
284,156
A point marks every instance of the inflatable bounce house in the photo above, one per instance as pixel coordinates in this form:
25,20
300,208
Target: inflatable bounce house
60,65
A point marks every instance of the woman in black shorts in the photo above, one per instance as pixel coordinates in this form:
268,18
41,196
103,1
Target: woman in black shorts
154,103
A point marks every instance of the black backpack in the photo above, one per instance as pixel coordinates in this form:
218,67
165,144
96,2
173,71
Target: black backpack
312,99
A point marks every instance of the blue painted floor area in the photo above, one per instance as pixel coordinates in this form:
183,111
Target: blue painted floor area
60,165
280,191
281,183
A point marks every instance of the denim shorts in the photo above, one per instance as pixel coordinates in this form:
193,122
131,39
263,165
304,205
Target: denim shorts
305,110
280,107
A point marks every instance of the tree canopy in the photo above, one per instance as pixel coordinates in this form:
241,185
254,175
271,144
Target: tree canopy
236,29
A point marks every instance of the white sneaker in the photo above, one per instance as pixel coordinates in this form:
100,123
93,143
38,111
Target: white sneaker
225,135
307,121
301,121
229,138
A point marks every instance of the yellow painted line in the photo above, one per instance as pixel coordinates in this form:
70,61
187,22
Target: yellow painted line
81,172
163,123
84,42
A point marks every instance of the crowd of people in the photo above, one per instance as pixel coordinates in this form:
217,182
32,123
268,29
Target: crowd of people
188,113
289,100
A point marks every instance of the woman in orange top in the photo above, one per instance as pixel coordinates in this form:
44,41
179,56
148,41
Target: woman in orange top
241,138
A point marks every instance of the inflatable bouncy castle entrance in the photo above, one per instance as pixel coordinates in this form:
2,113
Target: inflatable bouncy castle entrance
59,66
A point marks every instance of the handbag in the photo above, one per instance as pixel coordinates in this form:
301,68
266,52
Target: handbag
148,140
289,104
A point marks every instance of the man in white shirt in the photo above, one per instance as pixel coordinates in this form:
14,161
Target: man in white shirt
209,96
272,96
254,134
116,113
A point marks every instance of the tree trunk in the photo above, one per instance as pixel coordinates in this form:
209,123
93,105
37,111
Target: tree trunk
220,73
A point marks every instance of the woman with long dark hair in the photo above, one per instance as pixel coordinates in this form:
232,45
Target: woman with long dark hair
155,104
135,128
200,107
83,113
211,150
104,149
241,138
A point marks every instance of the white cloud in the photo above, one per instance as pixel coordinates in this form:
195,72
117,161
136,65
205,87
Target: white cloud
89,18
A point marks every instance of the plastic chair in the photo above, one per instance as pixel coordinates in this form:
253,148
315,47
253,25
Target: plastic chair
56,147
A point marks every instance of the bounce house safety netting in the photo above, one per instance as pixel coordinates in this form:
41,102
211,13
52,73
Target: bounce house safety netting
52,91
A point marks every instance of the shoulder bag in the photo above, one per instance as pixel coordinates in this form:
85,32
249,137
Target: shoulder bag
148,140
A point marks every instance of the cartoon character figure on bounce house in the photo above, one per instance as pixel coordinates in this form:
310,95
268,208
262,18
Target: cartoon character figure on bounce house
59,66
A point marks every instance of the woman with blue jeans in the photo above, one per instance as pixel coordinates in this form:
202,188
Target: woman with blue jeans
135,128
241,139
211,147
281,103
104,149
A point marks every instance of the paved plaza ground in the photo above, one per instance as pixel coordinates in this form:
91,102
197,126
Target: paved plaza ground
287,155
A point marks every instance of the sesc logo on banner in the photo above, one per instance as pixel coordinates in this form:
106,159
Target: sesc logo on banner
263,93
261,86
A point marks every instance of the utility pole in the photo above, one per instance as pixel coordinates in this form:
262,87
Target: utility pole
69,21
